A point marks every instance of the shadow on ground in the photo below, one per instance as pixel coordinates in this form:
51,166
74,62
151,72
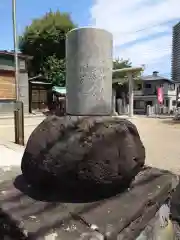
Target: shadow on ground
83,194
76,195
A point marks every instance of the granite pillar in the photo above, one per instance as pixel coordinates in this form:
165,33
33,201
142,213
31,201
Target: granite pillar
89,72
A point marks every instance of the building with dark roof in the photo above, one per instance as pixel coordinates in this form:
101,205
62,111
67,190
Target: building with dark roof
176,53
7,82
147,93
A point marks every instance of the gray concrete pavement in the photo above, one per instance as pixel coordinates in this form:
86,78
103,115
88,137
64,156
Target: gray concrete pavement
7,127
10,160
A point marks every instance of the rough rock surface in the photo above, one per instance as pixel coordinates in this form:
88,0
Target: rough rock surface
83,152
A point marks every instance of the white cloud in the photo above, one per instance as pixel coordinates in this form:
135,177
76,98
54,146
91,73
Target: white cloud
148,52
125,18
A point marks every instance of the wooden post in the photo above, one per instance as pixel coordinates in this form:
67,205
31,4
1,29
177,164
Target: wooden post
19,123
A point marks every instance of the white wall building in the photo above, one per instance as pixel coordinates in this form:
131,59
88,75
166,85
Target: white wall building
146,93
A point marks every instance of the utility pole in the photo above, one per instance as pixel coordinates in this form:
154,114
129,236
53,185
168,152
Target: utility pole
15,49
18,107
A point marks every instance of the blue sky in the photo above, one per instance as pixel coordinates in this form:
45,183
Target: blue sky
142,29
30,9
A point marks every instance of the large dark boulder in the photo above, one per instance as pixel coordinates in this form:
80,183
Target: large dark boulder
84,152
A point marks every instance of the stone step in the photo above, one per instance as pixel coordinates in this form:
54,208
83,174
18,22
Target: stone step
30,214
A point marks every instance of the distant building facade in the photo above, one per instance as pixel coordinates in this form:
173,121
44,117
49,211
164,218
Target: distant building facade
176,53
40,94
147,93
7,82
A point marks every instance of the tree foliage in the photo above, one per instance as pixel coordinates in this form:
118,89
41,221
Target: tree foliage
54,70
44,40
119,64
122,87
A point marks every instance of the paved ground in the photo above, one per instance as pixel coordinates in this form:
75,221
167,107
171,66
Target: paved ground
7,127
160,137
10,155
162,142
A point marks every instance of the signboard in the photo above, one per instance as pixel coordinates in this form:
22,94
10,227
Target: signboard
160,95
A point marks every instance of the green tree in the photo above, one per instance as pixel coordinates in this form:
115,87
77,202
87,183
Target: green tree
119,64
54,70
121,87
44,40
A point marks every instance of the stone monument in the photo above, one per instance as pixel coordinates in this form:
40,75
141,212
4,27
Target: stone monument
89,72
87,149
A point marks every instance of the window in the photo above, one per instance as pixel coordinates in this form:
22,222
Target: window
171,87
147,85
174,102
167,103
138,104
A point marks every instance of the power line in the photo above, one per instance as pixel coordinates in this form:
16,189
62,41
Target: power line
146,28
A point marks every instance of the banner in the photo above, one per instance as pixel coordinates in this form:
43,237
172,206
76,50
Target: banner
160,95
